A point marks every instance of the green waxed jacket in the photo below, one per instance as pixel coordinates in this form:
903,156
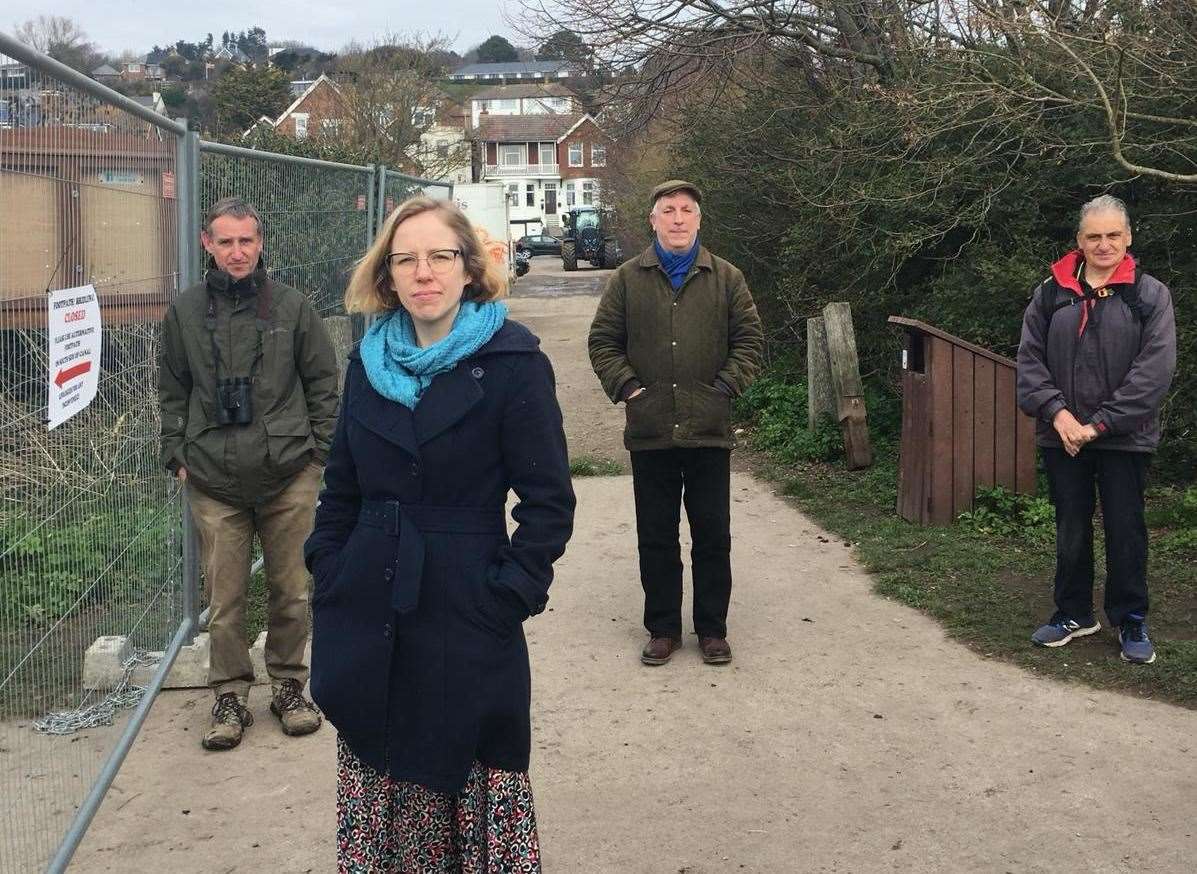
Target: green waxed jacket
294,372
692,351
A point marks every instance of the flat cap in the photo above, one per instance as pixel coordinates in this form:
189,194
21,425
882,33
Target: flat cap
673,186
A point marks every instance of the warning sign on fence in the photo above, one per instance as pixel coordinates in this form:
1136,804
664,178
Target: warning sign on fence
73,341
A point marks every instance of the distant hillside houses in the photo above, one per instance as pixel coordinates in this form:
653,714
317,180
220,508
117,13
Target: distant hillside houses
514,72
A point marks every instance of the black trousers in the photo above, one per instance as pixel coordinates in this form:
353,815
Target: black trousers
701,478
1120,478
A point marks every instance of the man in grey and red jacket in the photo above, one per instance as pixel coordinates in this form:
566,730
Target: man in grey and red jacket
1095,362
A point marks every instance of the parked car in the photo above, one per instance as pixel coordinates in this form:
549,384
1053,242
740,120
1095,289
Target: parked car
539,244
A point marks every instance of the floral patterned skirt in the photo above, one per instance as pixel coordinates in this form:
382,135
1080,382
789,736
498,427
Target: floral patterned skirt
387,826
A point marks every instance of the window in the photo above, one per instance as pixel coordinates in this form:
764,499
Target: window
511,154
513,194
331,126
301,125
587,193
442,149
570,196
598,155
575,154
548,154
531,194
586,220
422,117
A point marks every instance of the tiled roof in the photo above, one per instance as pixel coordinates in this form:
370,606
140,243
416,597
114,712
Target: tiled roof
531,89
512,68
524,128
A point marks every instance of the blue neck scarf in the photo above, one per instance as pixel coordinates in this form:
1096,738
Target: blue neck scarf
676,266
400,369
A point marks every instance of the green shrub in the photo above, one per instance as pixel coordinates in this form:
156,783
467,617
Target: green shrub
1176,512
1003,513
50,566
775,408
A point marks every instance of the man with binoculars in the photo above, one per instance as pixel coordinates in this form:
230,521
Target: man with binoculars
248,395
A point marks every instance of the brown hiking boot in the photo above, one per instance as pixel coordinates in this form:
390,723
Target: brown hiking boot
659,650
715,650
229,721
297,714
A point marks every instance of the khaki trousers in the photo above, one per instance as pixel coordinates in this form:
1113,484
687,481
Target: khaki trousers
226,536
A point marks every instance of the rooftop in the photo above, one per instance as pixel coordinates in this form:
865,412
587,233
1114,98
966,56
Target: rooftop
526,128
530,89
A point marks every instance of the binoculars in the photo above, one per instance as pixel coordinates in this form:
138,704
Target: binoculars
234,401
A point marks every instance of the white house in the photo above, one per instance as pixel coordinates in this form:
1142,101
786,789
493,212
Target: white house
529,99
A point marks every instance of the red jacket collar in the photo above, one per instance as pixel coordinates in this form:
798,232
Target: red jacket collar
1065,271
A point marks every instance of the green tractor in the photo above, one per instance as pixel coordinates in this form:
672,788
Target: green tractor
588,237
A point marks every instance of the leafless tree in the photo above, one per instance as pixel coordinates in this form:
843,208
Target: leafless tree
61,38
392,102
1130,61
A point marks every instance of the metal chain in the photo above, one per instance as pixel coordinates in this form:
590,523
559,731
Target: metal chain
124,696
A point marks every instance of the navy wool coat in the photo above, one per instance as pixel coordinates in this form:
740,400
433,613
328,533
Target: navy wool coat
418,651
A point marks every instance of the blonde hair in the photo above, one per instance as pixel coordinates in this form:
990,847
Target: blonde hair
370,289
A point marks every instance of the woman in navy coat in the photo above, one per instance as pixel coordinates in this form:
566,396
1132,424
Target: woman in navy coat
418,651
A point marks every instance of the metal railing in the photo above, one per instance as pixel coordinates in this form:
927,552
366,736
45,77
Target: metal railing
95,540
494,171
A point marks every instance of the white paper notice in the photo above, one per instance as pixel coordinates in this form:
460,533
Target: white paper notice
74,351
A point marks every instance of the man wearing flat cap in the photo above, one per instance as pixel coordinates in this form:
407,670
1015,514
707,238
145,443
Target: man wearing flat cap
675,338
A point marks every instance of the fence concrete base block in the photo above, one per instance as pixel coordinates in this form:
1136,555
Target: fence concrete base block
104,662
190,670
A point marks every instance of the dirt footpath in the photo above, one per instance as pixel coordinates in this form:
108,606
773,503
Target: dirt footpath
849,735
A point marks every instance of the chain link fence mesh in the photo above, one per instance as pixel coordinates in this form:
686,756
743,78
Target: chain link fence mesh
90,540
317,216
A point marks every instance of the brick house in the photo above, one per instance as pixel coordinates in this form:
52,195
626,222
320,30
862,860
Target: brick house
319,109
141,71
547,163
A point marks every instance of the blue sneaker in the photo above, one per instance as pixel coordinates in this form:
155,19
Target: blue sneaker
1059,630
1136,645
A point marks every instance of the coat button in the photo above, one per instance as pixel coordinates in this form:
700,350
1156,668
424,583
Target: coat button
388,574
387,631
477,373
415,469
675,342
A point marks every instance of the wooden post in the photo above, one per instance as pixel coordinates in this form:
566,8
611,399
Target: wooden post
820,394
849,391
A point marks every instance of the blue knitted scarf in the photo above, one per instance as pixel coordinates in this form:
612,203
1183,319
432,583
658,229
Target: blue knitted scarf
676,266
400,369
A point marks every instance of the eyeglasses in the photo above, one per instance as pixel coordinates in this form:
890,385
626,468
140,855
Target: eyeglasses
440,262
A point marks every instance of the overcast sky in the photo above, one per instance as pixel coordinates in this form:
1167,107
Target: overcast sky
117,25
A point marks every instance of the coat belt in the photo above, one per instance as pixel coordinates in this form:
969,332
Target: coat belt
409,522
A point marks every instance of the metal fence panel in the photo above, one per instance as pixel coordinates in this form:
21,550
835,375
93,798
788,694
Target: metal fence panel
395,187
98,189
90,541
317,214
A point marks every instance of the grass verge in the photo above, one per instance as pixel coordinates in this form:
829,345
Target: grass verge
586,465
991,591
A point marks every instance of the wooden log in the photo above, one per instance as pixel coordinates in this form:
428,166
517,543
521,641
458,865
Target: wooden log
849,390
820,393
